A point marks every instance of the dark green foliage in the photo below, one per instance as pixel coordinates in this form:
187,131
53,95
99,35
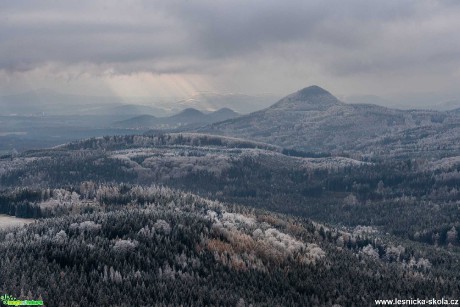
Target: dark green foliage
403,197
411,249
67,264
21,203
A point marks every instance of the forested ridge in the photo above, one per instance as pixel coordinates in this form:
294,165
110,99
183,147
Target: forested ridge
169,248
412,198
202,220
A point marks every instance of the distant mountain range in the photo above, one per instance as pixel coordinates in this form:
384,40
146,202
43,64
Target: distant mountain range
310,120
47,102
241,103
189,117
428,102
314,120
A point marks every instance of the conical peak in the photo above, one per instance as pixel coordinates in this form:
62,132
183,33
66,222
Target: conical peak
313,90
309,98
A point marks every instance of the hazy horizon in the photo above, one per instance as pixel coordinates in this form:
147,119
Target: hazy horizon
436,101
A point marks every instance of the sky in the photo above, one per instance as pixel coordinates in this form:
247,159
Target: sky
181,47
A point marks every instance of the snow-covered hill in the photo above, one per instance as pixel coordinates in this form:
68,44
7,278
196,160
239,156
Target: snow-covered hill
188,117
314,120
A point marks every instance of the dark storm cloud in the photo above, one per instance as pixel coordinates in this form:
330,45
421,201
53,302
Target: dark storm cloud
341,37
34,35
247,26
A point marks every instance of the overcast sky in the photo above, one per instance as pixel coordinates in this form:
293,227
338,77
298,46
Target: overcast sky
164,48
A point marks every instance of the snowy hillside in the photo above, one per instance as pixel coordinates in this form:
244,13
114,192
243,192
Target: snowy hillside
314,120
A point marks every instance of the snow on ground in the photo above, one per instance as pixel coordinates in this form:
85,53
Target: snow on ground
444,164
7,221
331,162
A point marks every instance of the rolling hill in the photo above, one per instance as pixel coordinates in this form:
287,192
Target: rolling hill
189,117
110,222
312,119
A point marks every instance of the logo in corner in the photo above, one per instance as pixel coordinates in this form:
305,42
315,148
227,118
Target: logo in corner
10,300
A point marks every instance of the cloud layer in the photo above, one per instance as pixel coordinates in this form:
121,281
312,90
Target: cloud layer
261,45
